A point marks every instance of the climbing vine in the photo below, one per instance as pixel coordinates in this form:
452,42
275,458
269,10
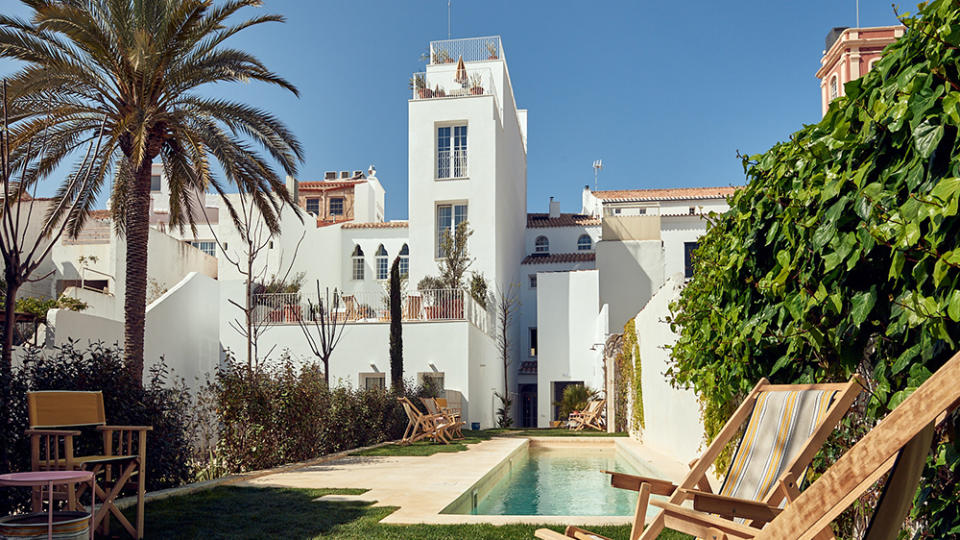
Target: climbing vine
630,395
841,255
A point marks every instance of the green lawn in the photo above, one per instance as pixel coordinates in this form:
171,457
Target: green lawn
427,448
238,512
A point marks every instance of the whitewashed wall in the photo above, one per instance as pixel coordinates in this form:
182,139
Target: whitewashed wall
562,239
672,416
630,272
567,317
466,357
675,232
182,326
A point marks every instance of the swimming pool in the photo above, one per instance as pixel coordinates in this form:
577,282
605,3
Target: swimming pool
555,480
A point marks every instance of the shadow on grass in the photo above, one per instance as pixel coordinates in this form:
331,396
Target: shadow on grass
247,513
428,448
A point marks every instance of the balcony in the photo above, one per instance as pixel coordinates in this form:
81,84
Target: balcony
433,305
451,82
476,49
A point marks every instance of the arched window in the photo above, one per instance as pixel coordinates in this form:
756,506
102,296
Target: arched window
834,88
383,265
357,263
541,245
584,243
404,260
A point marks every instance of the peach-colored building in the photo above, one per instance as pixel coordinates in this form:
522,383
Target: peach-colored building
849,54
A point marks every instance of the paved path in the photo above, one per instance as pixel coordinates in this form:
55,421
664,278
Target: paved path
422,486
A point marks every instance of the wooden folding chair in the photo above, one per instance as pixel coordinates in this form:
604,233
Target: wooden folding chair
432,406
423,426
123,458
592,417
785,427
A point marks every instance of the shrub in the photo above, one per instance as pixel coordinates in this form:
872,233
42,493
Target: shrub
575,398
841,254
281,413
163,403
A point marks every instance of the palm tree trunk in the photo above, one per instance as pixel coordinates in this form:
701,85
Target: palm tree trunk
135,297
6,371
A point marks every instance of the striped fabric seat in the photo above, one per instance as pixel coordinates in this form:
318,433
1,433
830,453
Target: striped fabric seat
779,426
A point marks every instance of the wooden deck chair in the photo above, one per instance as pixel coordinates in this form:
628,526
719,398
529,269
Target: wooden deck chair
452,411
120,466
432,407
785,427
423,426
592,417
574,419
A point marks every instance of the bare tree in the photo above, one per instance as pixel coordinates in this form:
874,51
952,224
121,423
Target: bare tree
255,238
23,250
328,321
506,311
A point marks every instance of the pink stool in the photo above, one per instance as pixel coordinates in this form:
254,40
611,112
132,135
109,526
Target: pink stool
49,479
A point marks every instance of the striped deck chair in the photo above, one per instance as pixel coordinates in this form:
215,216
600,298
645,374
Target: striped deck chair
898,445
785,427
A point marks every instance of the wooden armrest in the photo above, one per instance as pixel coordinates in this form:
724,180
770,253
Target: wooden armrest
629,481
732,507
706,520
124,428
58,432
547,534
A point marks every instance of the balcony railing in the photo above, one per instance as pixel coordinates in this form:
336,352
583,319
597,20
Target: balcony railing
448,51
435,305
451,82
452,163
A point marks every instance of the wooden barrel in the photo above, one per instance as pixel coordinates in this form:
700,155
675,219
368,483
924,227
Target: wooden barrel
66,526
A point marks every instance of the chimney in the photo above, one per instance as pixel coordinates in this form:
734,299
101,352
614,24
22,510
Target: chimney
554,208
344,175
330,175
293,187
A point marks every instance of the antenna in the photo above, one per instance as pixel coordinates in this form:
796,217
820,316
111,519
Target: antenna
597,165
448,16
858,13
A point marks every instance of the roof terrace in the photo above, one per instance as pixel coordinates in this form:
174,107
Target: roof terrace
477,49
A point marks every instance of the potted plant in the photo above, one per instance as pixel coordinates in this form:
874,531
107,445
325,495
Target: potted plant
492,49
442,57
419,83
476,82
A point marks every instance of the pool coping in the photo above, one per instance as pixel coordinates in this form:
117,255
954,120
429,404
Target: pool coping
421,487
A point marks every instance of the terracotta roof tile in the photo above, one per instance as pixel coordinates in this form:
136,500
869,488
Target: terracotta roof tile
674,194
557,258
377,225
330,184
565,220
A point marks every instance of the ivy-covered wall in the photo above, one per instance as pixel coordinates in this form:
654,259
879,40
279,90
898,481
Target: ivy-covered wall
629,397
842,256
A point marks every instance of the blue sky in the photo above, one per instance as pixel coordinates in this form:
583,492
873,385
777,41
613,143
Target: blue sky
664,92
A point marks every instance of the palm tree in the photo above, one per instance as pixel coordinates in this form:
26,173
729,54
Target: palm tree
137,63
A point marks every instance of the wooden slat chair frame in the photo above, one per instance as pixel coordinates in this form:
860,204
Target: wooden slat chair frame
575,418
592,417
423,426
52,409
696,486
453,412
432,405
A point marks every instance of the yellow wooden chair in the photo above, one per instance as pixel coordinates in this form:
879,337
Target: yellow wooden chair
118,467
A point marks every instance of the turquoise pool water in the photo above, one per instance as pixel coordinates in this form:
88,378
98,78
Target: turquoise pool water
562,482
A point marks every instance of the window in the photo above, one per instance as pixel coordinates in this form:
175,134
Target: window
533,341
383,265
834,88
541,245
336,206
373,381
688,257
642,211
313,206
452,152
432,379
357,263
616,211
404,260
584,243
210,248
448,217
533,281
155,182
693,210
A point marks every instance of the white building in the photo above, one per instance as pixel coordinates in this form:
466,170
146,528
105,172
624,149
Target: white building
578,277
